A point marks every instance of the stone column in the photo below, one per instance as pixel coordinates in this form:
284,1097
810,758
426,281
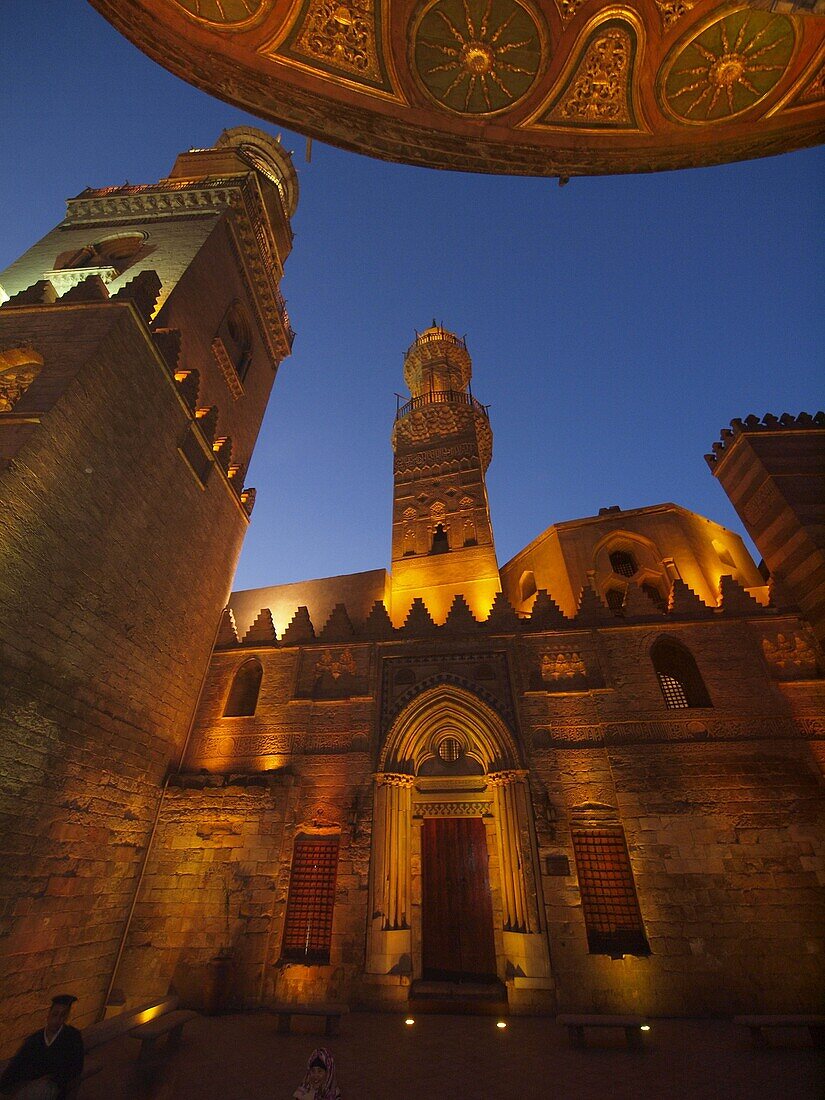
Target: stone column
510,810
392,850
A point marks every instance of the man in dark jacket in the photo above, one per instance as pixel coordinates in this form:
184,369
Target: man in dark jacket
50,1061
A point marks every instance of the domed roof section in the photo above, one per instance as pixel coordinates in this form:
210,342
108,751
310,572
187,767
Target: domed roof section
520,87
268,156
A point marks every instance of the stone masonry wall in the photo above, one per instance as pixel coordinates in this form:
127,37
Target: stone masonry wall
210,887
306,769
723,814
115,567
217,880
721,806
726,847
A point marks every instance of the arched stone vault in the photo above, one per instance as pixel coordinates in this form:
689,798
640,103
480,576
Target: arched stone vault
410,739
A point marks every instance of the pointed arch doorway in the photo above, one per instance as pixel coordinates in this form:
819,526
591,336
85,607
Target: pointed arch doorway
453,872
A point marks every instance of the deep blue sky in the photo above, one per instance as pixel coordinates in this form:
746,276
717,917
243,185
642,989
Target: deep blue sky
615,324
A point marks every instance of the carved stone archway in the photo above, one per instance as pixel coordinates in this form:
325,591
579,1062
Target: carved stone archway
482,777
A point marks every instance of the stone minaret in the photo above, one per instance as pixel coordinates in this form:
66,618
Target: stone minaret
139,341
442,538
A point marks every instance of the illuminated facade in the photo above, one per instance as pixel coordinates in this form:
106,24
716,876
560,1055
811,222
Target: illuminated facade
586,779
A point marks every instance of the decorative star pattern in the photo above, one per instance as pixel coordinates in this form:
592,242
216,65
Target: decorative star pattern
729,66
477,56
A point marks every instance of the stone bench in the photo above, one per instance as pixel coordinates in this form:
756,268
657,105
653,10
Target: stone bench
631,1025
331,1012
757,1025
170,1025
96,1035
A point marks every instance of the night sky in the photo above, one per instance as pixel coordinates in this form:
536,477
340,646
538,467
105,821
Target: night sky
615,325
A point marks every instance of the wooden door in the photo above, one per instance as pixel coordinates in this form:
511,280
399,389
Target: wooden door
458,909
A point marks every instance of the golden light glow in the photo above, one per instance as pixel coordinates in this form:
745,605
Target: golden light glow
438,599
645,1027
409,1021
501,1024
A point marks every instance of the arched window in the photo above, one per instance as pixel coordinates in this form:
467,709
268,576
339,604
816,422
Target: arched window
623,563
440,543
243,695
679,678
615,599
232,345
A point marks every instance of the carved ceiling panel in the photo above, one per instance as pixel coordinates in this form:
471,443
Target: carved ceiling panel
532,87
477,57
728,67
340,40
598,89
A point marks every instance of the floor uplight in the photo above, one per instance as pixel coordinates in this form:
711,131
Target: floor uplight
501,1023
409,1021
644,1027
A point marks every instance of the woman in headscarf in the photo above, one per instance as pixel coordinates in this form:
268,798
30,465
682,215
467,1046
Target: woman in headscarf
319,1082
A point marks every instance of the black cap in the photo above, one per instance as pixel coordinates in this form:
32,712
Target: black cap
64,999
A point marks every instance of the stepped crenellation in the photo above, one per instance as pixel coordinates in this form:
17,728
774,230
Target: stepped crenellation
90,289
227,631
545,617
300,630
683,603
262,631
734,600
338,627
768,423
168,342
460,619
222,447
143,292
39,293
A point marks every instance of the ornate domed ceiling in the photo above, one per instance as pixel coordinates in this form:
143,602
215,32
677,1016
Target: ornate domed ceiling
534,87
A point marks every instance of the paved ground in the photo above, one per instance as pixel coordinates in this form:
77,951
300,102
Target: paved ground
466,1058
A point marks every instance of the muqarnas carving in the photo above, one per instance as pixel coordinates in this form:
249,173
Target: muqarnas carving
19,366
337,672
559,670
791,657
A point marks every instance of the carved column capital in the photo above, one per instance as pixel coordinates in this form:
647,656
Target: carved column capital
505,778
393,779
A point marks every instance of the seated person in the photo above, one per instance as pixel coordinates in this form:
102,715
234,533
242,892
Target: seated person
48,1063
319,1082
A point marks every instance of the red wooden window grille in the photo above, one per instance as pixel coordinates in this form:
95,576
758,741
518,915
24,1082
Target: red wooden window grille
308,925
611,909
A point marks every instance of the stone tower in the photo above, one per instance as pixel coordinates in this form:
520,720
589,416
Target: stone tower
773,470
442,538
139,341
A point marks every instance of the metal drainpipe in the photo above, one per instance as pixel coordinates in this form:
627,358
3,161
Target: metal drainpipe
289,803
150,842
